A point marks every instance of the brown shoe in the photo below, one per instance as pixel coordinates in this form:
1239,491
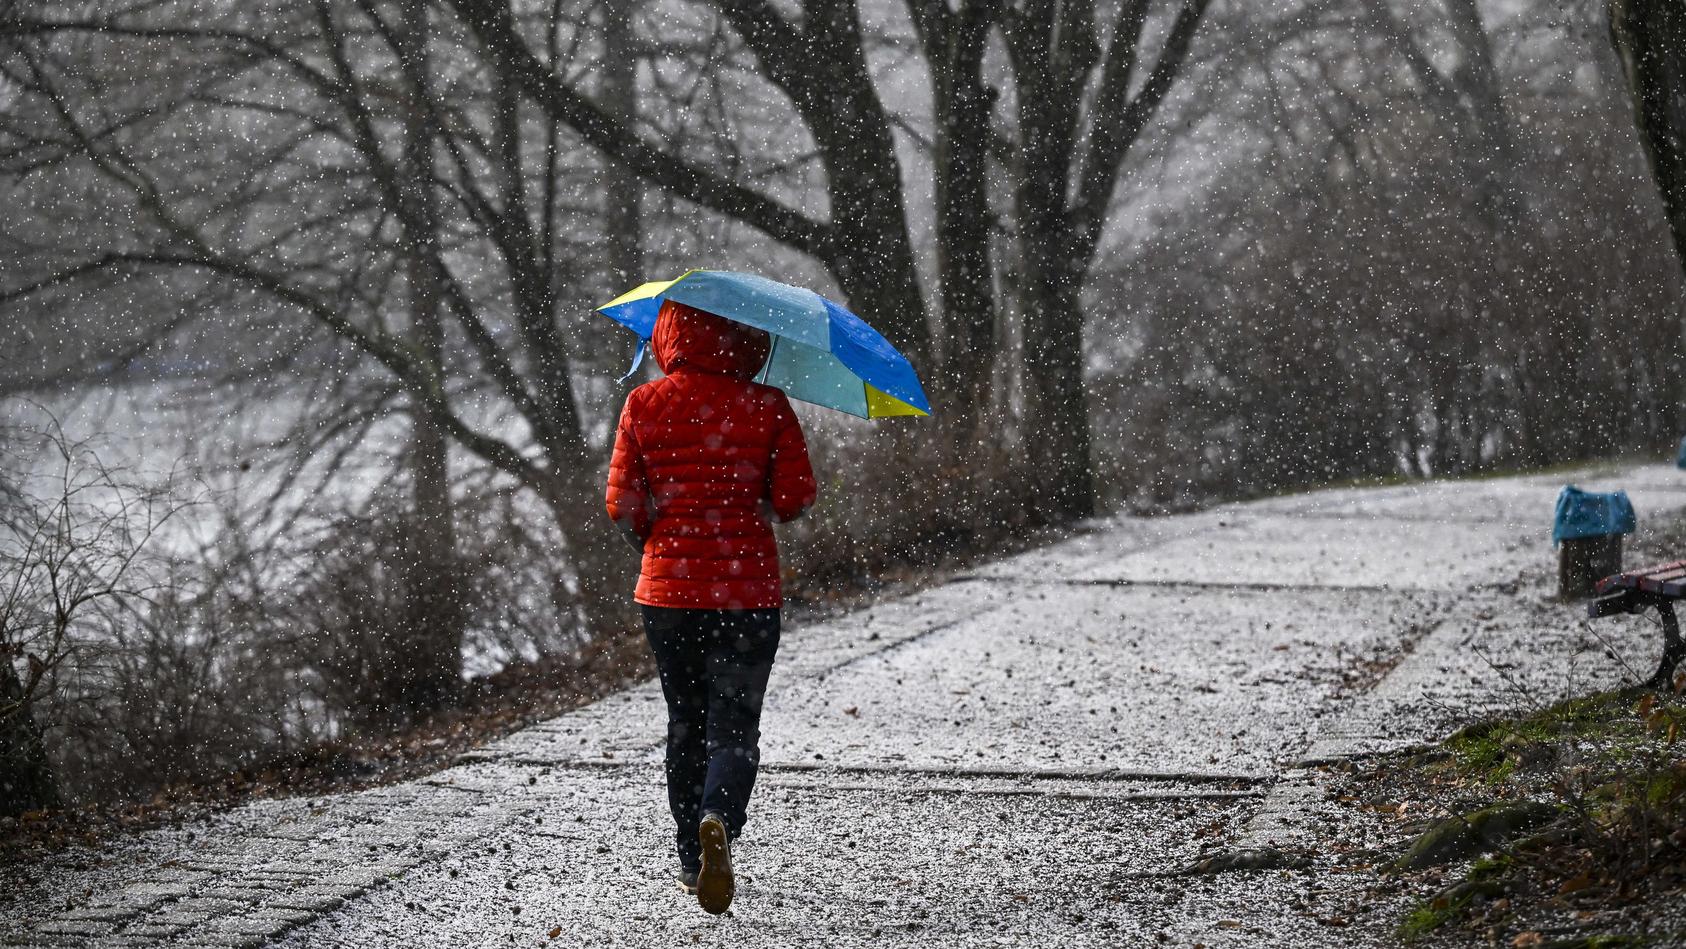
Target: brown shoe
715,884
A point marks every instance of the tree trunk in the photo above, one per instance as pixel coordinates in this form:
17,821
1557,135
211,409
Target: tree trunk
430,664
623,195
433,662
871,253
1057,432
1650,39
1054,266
954,45
26,777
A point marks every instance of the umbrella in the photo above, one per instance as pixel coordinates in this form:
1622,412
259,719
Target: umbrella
821,352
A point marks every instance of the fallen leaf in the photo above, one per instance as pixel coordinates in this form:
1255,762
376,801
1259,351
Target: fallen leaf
1527,939
1333,921
555,931
1575,884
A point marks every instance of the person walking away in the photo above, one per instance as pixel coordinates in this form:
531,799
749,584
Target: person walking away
704,459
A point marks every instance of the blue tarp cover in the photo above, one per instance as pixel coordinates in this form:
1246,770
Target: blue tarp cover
1591,514
1680,456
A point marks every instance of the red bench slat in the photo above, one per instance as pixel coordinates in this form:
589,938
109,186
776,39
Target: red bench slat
1661,587
1667,579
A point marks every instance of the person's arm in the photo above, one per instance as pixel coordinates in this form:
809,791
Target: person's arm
790,477
628,496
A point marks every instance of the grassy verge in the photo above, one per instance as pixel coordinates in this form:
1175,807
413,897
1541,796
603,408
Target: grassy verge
1577,813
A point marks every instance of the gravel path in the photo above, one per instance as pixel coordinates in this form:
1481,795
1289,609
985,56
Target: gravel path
1026,755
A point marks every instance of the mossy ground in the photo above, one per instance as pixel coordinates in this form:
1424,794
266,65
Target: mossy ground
1483,879
1611,722
1614,765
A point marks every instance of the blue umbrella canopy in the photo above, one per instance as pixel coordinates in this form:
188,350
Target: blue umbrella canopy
821,352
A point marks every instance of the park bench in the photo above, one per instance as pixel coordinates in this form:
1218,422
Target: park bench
1636,590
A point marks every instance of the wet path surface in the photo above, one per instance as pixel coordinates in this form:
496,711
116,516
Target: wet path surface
1021,756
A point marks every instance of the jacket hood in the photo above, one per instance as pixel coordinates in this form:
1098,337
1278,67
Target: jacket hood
689,338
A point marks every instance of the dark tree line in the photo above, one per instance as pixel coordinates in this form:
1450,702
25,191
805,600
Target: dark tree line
1379,315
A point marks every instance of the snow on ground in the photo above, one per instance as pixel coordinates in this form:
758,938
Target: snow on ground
1018,757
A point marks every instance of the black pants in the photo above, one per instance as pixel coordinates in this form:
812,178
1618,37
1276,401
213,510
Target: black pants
714,666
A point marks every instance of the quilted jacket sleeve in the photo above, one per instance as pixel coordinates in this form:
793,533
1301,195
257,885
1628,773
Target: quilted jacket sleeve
790,478
628,497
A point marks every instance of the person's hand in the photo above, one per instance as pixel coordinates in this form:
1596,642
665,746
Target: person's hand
631,536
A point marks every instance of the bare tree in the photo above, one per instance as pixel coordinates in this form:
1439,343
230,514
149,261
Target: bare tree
1069,168
430,667
1065,170
1468,95
431,182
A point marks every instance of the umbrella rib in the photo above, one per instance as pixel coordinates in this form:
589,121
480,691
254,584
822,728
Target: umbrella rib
767,370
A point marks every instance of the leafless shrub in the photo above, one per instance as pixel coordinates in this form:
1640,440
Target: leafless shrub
891,504
75,568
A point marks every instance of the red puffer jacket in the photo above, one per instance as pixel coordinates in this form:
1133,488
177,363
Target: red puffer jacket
696,455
